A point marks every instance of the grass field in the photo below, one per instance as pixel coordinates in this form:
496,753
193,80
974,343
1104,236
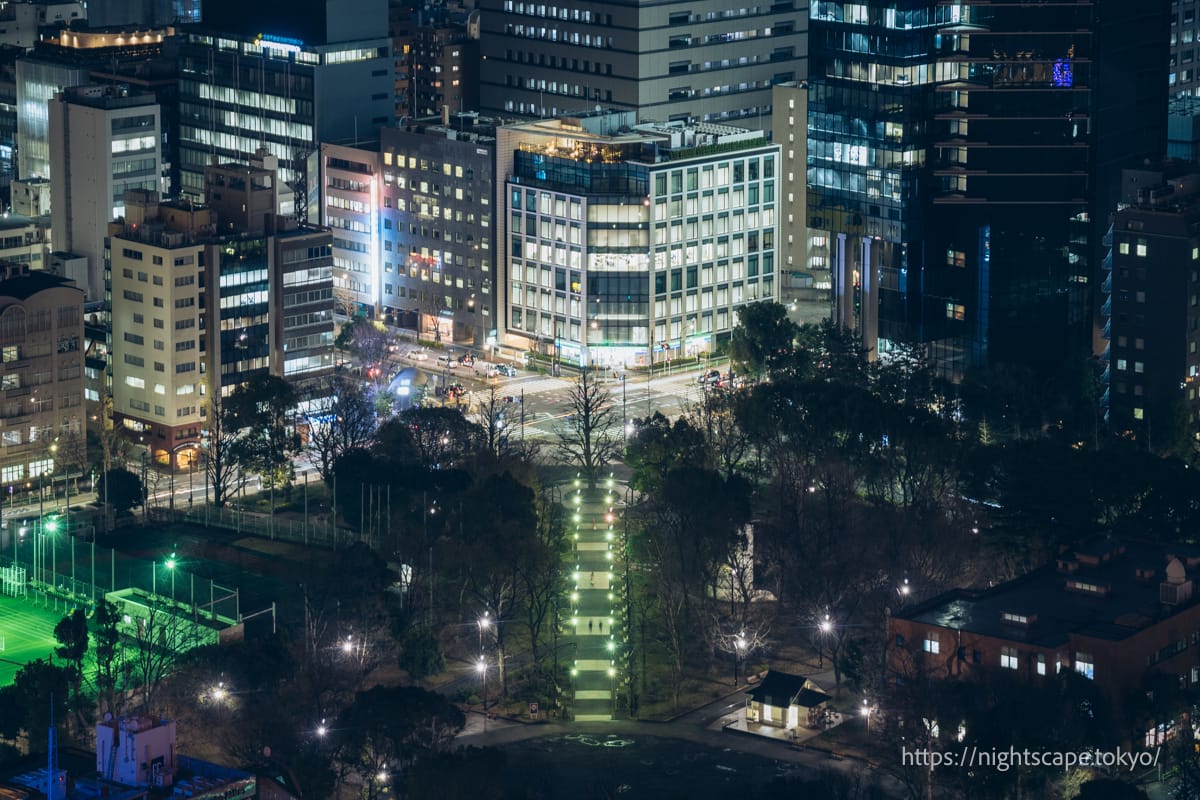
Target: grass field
28,633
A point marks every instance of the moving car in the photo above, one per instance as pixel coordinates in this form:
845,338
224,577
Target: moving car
710,378
507,370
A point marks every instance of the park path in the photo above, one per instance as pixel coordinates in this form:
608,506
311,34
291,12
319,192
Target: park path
593,625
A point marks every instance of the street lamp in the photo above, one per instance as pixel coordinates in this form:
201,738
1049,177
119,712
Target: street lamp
866,710
322,731
825,627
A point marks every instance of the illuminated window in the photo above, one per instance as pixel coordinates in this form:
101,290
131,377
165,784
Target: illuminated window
931,644
1139,413
1009,658
1085,665
956,258
1123,248
1041,664
956,311
1141,249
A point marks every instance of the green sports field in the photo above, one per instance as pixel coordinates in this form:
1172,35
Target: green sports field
28,633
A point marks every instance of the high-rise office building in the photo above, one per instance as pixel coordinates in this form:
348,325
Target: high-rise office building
624,243
157,312
198,307
443,67
1151,308
104,141
56,64
671,60
963,161
440,215
1184,77
271,289
283,76
789,125
352,184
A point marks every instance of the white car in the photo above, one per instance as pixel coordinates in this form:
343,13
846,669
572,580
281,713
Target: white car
418,355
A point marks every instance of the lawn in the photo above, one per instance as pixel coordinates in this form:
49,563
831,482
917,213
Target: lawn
27,629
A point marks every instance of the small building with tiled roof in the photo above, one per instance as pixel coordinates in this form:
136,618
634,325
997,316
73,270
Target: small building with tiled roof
786,701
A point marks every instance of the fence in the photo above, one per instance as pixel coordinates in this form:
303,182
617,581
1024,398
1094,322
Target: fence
70,571
313,530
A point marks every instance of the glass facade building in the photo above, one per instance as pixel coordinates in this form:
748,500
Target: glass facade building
963,160
623,249
240,88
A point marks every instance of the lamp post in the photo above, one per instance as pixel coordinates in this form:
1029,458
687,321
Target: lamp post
50,527
825,627
170,565
484,622
145,496
624,420
739,647
866,710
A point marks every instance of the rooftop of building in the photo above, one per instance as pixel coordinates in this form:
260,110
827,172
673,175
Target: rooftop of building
466,125
1107,589
107,96
84,45
608,136
26,284
1170,185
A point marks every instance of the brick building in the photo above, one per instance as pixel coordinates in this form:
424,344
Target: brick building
1112,611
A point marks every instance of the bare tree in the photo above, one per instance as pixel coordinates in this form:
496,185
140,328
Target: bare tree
492,419
220,454
715,416
345,422
740,641
587,441
368,341
159,639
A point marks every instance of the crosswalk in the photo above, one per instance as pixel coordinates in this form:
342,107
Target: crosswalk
540,385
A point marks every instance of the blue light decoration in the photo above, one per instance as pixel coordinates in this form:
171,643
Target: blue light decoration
1063,76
